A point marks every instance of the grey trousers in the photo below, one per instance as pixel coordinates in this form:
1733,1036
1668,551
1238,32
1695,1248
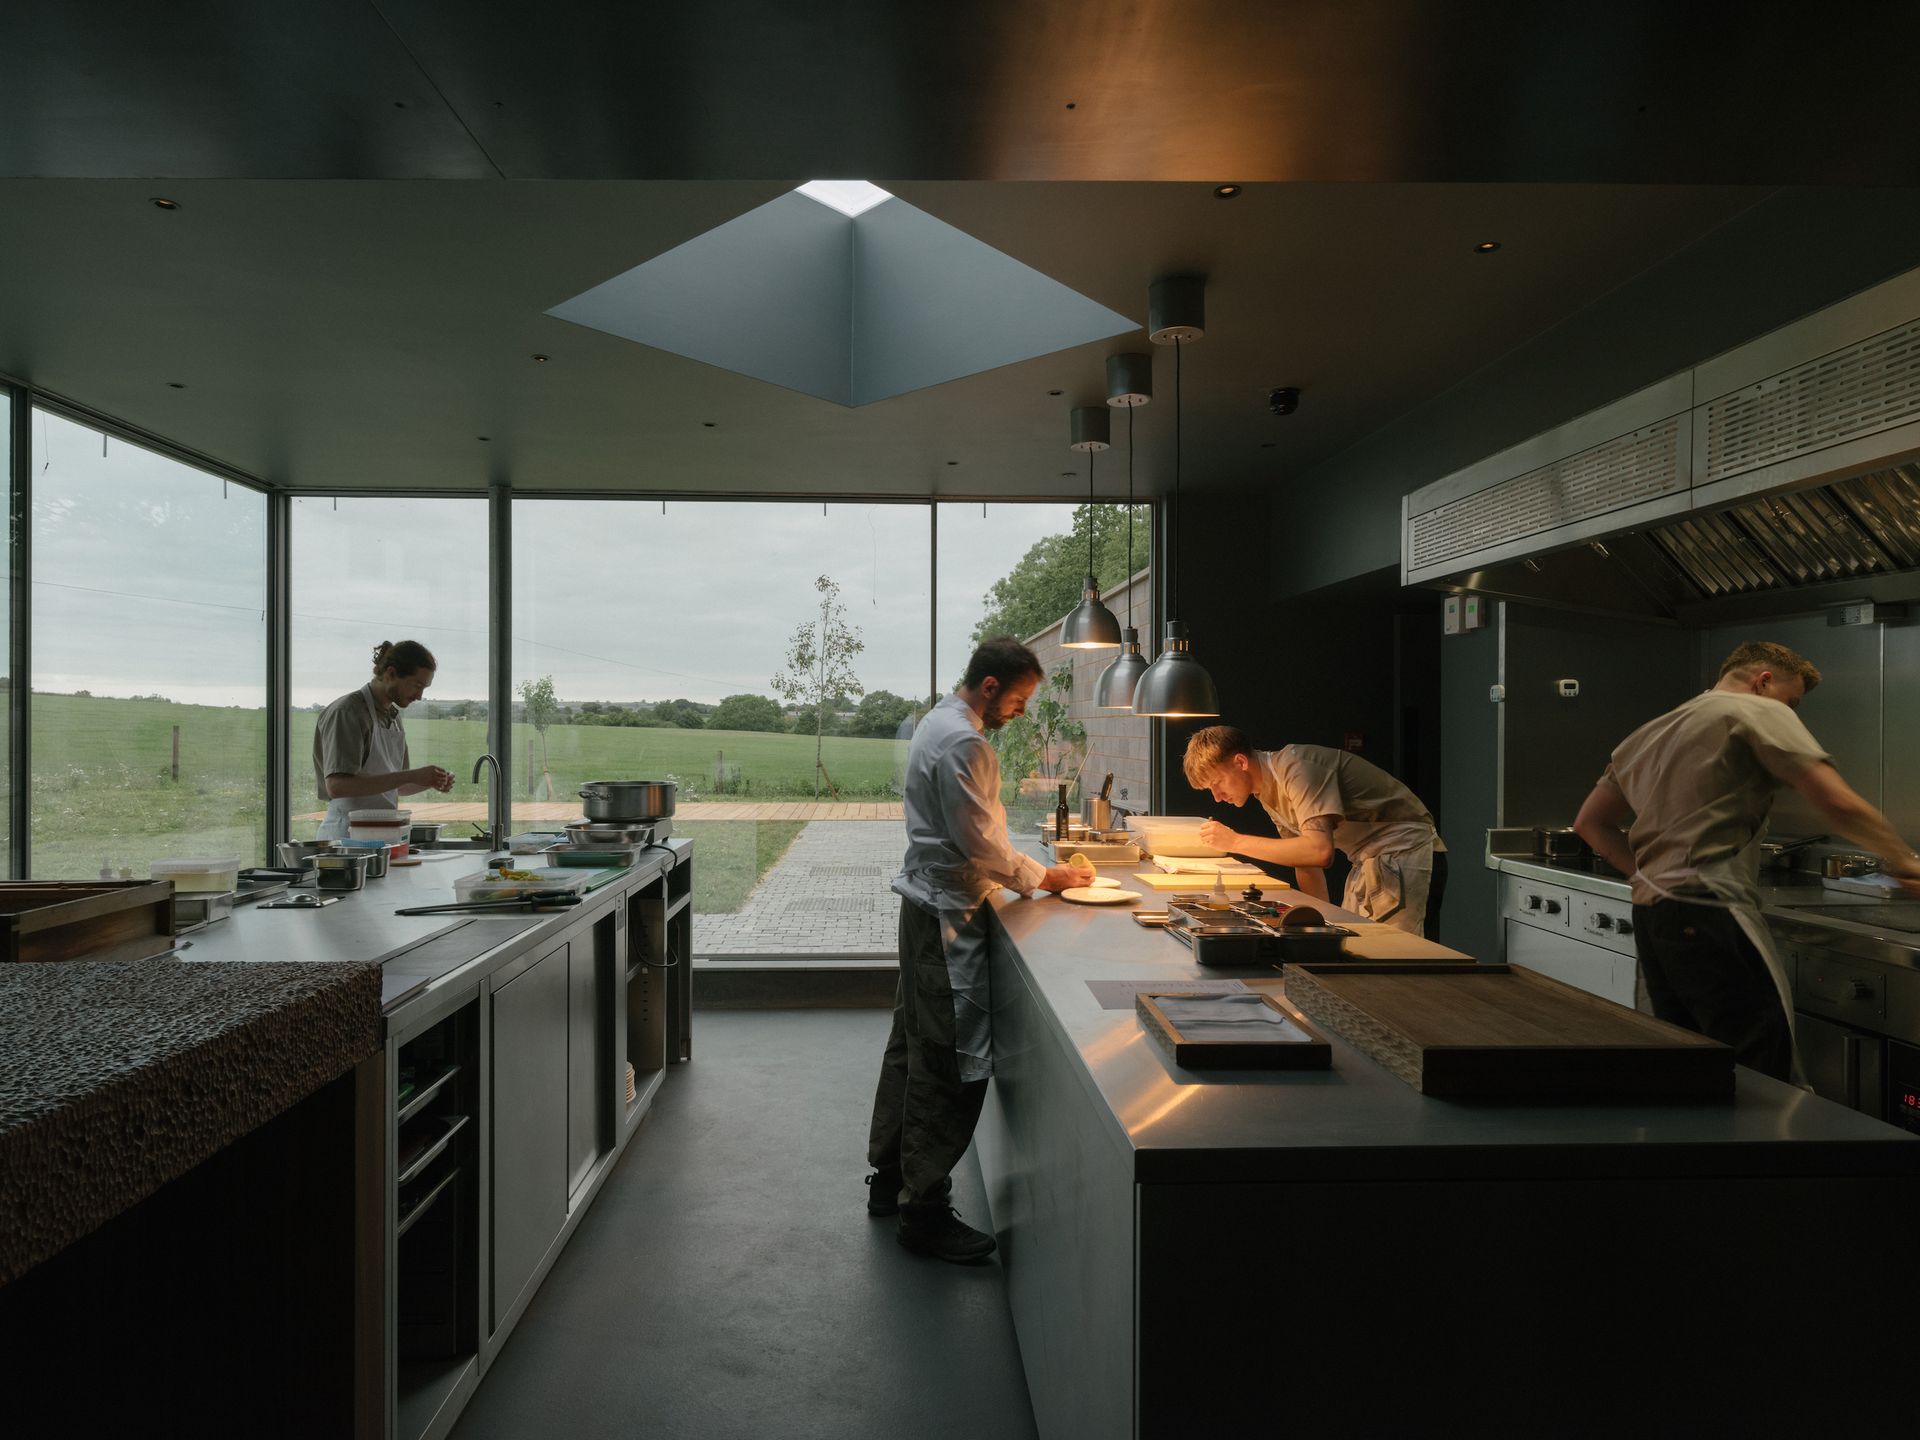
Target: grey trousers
923,1112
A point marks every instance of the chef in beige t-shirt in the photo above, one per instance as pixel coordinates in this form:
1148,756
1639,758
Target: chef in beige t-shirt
1692,790
1321,800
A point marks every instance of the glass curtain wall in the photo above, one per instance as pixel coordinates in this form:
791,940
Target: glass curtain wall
1018,569
368,569
770,658
149,657
7,403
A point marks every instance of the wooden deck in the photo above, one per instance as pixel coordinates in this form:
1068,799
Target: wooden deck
560,811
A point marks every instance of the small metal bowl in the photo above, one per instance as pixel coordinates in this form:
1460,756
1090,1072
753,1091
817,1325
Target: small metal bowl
608,833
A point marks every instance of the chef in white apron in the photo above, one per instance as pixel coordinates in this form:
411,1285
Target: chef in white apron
360,759
933,1076
1698,783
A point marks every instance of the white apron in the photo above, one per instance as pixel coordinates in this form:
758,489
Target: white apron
1734,885
386,754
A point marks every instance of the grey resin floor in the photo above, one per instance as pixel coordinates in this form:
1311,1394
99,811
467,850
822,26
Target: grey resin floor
728,1281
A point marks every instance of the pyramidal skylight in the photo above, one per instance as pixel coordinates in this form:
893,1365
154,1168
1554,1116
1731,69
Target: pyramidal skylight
849,197
829,291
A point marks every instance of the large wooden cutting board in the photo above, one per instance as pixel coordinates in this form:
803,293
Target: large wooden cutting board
1505,1032
1197,884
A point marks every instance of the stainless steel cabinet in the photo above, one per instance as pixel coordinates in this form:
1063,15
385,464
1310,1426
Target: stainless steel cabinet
530,1139
589,1082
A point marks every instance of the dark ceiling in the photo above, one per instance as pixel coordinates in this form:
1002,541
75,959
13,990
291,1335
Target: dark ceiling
378,202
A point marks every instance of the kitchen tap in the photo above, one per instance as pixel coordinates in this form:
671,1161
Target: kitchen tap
496,798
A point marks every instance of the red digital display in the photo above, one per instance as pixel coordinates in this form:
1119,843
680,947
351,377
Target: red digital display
1908,1100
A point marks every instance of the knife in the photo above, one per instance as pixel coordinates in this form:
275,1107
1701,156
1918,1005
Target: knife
1106,786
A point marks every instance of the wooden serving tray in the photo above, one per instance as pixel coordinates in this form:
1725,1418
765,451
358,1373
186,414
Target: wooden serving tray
1279,1051
1505,1032
85,920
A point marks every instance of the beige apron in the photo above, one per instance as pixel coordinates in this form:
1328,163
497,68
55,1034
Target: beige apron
1734,885
386,755
1392,888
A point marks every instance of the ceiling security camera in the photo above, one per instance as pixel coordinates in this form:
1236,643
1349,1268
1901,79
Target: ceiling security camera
1285,400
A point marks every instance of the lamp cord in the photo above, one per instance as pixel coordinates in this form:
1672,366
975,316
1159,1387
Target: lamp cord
1173,562
1130,410
1090,455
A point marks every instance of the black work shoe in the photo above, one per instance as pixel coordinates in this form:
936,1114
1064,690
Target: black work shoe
883,1192
936,1229
884,1187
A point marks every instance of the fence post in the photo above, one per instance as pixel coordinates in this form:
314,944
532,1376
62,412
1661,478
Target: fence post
176,753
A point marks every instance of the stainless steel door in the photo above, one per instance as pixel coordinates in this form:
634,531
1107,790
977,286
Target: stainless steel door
1844,1065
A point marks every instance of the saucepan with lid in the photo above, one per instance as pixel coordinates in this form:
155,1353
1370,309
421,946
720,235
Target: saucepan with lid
628,799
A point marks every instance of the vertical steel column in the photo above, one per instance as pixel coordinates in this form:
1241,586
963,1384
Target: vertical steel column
933,600
280,787
20,640
500,641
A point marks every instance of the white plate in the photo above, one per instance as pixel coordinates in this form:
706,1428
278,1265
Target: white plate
1088,895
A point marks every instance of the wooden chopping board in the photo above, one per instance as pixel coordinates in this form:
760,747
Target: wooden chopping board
1160,880
1503,1032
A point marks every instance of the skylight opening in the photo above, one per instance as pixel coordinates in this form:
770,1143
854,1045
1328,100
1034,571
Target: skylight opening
849,197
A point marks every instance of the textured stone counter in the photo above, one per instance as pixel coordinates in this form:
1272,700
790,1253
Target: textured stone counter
121,1075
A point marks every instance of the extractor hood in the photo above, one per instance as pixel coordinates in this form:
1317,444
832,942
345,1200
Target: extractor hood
1784,475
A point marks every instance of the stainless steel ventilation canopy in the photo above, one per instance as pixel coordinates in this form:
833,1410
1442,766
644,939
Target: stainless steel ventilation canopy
1787,468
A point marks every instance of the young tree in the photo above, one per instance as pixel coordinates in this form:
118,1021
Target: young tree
820,667
542,709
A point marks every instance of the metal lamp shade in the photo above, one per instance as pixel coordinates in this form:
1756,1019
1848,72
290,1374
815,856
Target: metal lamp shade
1114,689
1090,626
1176,686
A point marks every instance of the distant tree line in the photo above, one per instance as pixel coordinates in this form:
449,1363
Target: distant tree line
876,715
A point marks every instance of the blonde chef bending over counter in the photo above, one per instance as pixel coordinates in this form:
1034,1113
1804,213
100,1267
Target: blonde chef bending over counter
359,746
1321,800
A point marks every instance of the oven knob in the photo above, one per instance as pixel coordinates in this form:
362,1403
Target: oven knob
1533,902
1553,907
1862,990
1625,927
1602,922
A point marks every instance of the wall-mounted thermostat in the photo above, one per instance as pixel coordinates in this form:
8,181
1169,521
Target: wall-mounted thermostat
1473,612
1496,693
1450,615
1567,689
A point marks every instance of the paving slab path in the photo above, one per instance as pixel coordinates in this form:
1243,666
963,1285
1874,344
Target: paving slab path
828,895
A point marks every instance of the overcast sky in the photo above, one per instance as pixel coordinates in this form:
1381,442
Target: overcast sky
147,579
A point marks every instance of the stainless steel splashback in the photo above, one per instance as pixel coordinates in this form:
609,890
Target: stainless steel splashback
1784,464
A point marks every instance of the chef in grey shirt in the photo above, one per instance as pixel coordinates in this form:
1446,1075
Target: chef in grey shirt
939,1055
360,759
1682,809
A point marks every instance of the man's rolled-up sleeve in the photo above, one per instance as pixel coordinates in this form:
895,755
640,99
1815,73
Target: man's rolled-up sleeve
975,821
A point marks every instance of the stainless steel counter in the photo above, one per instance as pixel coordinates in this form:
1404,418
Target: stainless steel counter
1291,1236
416,953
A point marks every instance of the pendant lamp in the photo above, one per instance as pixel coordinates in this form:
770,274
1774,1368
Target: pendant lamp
1176,686
1129,386
1091,625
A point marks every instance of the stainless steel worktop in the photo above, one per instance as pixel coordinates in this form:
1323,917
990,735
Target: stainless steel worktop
416,953
1357,1120
1782,904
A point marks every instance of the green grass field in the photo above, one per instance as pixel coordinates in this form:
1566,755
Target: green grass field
103,786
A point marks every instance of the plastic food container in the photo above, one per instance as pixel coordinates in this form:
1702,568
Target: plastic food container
1176,835
393,827
194,873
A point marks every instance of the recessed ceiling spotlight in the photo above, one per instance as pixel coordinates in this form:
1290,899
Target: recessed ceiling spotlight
1069,474
1226,192
1266,444
160,202
175,385
707,424
953,462
1056,392
1486,247
540,359
483,437
1071,104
